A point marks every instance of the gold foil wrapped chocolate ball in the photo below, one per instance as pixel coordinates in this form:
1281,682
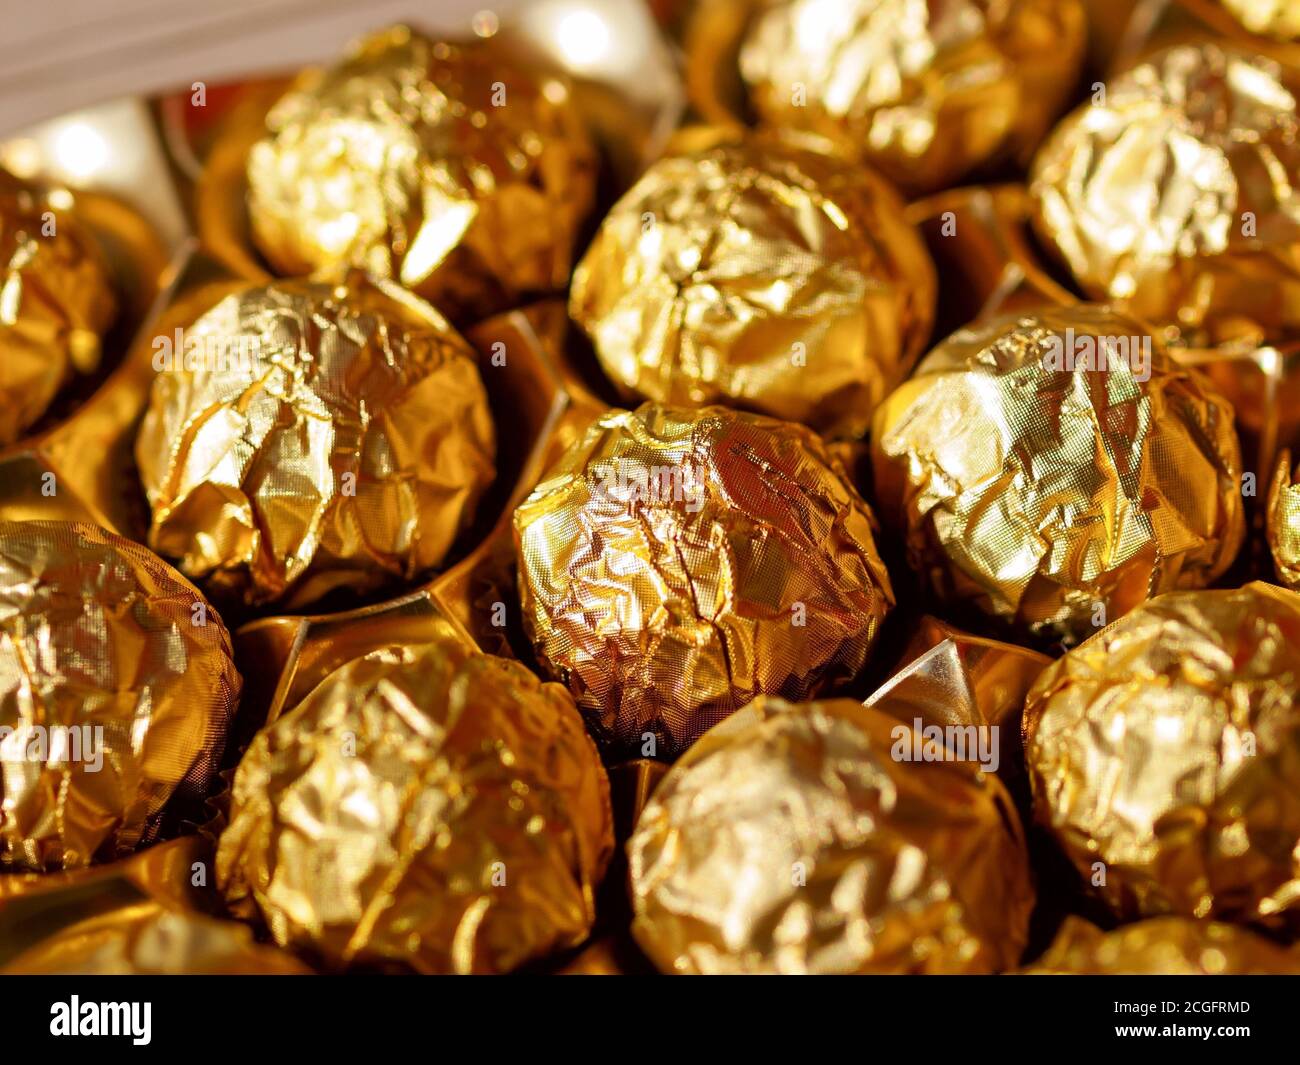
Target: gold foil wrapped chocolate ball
149,939
1163,946
791,839
56,302
925,91
449,167
1055,469
313,437
1164,755
1283,523
674,564
762,274
1172,193
426,806
1279,19
116,692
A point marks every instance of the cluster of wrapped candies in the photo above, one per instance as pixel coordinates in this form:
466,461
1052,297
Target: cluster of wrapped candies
532,485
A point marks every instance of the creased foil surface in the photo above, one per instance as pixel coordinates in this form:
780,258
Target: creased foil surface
99,636
674,564
56,301
449,167
790,840
426,806
1283,523
1040,490
1163,946
147,938
1273,18
327,437
763,274
1174,195
1164,755
926,90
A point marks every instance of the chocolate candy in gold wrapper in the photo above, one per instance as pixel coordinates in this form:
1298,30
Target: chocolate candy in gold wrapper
1172,194
927,91
426,806
1164,755
147,938
761,273
792,839
449,167
1283,523
1162,946
674,564
1054,469
312,438
56,302
1279,19
116,692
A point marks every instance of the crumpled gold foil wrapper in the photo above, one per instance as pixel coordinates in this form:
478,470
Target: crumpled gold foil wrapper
1040,494
116,692
1283,523
926,91
763,274
56,302
1162,946
1164,755
789,839
426,806
328,437
674,564
1272,18
450,167
1173,196
147,938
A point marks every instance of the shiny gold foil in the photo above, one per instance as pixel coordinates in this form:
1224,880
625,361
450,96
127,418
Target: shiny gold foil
1171,193
761,273
147,938
425,806
1162,946
1164,755
326,438
449,167
1050,493
674,564
1272,18
790,839
99,636
1283,523
927,91
56,302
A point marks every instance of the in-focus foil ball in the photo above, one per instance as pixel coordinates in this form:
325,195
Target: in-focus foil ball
1282,524
1162,946
674,564
56,302
312,438
1164,755
116,692
1272,18
1173,195
450,167
1055,469
926,90
791,839
428,807
763,274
